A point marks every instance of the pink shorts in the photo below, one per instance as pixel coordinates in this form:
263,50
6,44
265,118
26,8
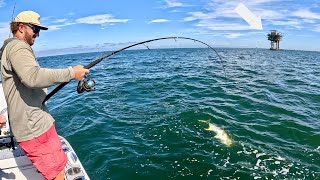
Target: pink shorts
46,153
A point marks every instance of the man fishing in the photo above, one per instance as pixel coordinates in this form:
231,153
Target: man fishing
25,86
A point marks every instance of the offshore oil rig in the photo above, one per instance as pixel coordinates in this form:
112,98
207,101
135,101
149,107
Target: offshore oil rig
275,37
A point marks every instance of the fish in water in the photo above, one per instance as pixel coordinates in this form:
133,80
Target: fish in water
220,133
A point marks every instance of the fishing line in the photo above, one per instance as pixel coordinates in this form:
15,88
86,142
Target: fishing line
14,8
88,85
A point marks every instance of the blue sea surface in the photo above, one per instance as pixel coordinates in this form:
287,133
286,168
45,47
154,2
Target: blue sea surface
142,121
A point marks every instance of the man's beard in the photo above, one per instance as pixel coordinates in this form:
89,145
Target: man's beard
29,39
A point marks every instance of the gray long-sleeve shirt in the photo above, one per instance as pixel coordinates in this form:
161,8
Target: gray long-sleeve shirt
25,87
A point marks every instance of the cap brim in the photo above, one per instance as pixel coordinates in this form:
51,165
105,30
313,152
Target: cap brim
40,26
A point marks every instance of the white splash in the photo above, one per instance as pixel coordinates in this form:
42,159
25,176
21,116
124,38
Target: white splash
220,133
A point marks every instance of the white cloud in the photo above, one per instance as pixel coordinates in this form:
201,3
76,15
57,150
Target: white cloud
260,2
247,2
2,3
57,27
100,19
221,25
54,27
260,8
232,35
60,20
198,16
269,14
173,3
293,23
306,14
220,15
158,21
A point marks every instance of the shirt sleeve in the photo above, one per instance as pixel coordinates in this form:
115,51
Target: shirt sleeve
32,75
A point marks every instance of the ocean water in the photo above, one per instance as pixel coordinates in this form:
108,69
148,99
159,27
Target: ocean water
142,122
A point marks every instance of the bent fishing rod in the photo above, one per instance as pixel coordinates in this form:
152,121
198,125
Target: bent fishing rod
88,84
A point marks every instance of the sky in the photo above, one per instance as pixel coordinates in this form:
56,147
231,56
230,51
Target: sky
102,25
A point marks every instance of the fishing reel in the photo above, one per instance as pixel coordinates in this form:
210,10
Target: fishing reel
87,85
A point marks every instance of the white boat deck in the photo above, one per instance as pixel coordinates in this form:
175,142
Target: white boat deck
18,168
14,164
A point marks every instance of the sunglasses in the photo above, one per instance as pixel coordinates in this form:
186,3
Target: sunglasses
36,29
